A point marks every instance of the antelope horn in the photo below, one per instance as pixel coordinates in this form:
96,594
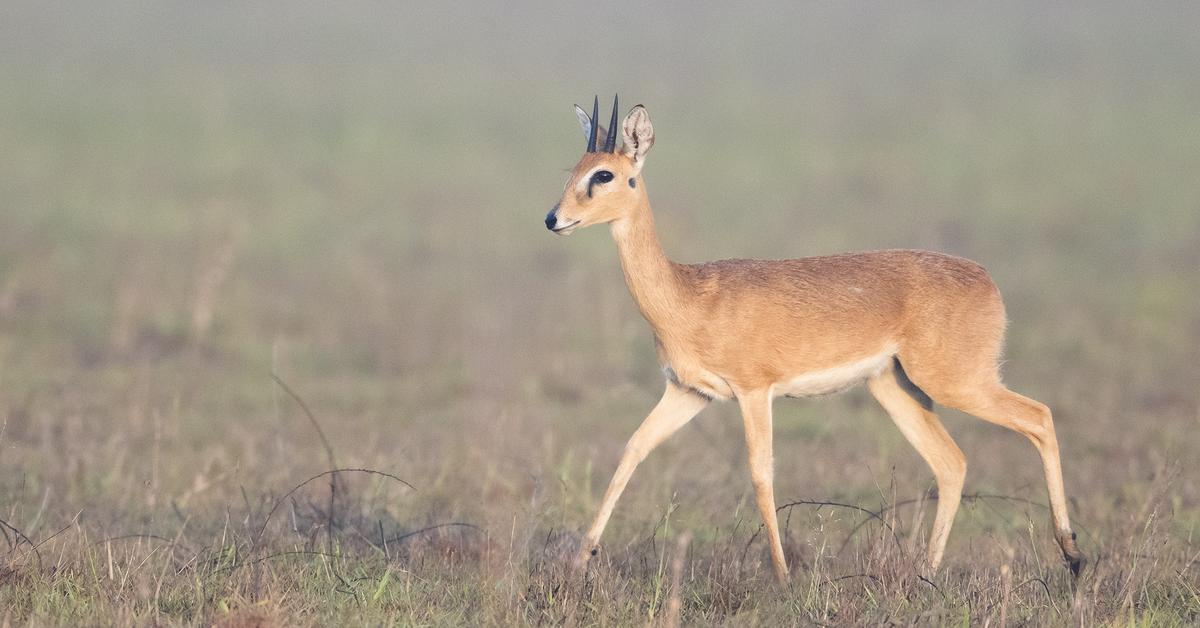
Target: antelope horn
591,146
610,143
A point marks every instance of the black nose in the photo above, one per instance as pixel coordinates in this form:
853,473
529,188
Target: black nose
551,218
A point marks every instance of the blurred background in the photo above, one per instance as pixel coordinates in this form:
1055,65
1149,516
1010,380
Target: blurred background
194,196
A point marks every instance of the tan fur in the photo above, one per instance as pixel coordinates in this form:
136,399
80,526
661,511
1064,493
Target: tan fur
754,329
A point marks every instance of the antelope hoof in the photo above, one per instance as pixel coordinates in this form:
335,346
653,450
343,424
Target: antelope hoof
783,578
927,570
586,552
1075,559
928,567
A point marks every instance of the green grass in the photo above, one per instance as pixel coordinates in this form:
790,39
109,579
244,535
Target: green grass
356,199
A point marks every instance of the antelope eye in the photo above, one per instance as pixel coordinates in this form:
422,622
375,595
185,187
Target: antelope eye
602,176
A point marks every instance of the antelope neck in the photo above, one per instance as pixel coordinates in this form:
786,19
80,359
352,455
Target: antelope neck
653,280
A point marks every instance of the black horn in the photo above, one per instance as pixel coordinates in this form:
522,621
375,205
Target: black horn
591,146
610,142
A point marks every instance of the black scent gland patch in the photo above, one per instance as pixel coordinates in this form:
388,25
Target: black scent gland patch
590,184
914,391
671,376
632,182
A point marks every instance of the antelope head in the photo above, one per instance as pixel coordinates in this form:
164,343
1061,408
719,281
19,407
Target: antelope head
606,184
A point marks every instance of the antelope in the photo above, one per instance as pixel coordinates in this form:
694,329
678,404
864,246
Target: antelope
916,326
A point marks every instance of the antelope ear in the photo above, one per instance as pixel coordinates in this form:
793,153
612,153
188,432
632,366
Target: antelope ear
638,135
585,123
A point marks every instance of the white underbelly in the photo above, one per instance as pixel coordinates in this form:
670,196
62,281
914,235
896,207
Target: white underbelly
837,378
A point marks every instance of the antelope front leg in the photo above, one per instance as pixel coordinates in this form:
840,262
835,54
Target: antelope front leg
677,407
756,414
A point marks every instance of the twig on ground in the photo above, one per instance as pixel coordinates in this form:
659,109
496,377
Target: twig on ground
21,537
262,529
453,524
804,502
124,537
966,497
328,452
262,559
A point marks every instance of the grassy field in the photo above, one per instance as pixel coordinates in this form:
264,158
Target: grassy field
241,247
